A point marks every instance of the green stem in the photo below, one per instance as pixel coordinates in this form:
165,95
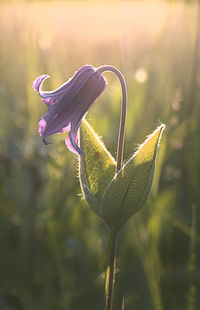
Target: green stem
111,263
120,146
111,270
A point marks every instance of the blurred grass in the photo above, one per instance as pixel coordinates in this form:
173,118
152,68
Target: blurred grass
52,245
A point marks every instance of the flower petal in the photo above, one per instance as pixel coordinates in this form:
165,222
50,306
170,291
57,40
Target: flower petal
41,126
71,142
37,83
50,97
55,122
48,101
67,128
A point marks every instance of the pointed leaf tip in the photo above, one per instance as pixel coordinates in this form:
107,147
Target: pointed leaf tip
97,167
130,188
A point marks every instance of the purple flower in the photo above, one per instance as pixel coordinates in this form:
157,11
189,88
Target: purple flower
68,104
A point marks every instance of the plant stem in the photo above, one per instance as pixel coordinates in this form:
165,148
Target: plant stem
120,146
111,260
111,270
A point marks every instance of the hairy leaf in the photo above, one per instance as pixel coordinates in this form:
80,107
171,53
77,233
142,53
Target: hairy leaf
130,188
97,167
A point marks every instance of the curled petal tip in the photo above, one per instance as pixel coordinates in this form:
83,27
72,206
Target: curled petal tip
36,84
71,143
46,142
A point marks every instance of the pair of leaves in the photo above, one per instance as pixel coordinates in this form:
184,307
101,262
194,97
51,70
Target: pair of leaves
116,197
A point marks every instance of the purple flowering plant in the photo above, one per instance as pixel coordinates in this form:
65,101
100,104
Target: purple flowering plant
115,191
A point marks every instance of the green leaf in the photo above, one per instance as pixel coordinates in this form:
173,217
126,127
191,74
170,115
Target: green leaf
130,188
97,167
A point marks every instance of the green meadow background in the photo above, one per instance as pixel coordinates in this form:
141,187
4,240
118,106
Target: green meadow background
52,246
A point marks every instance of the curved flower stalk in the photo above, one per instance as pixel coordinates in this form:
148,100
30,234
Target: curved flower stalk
68,104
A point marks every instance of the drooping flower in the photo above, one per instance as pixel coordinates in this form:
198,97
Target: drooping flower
68,104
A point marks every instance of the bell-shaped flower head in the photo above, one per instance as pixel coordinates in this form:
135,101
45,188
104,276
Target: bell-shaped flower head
68,104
